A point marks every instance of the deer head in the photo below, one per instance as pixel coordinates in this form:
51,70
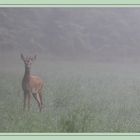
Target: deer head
28,60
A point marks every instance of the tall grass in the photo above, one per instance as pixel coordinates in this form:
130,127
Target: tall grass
77,98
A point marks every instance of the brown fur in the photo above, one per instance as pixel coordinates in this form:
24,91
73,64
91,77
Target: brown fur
36,84
31,84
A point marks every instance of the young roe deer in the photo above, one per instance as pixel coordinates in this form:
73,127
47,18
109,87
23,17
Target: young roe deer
31,84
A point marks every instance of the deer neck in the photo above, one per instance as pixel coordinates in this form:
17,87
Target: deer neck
26,75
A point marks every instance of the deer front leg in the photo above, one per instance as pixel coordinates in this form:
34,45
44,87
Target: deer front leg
37,99
41,101
24,102
29,101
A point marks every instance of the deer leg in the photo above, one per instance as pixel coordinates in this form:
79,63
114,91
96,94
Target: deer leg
29,101
25,100
41,101
38,101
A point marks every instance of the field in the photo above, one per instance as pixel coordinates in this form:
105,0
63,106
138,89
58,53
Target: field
78,97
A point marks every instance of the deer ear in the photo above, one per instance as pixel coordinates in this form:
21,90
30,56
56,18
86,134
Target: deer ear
22,57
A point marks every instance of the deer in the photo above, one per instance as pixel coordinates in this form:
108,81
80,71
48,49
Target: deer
31,85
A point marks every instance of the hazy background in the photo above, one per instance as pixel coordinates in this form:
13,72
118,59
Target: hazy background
89,60
98,34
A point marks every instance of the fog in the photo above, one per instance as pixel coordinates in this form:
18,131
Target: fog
96,34
88,59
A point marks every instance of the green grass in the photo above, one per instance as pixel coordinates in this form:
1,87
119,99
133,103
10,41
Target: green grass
78,98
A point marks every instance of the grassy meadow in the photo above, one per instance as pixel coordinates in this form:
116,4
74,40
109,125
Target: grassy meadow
78,97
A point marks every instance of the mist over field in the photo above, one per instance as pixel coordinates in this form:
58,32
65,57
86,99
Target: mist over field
103,34
89,60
